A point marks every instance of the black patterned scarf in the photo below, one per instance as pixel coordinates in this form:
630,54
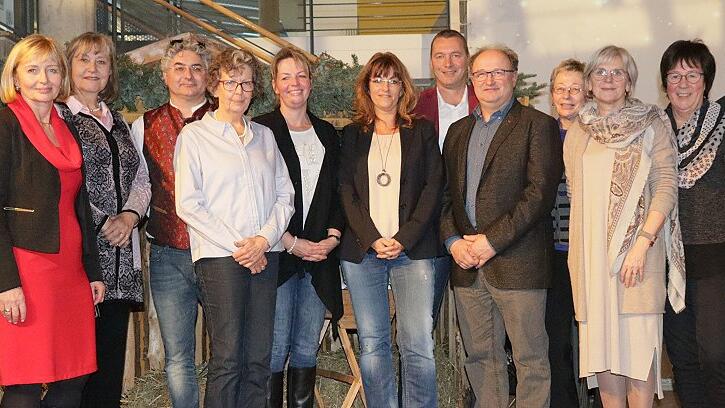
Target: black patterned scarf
697,142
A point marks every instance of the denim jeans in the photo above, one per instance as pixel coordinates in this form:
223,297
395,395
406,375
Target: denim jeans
412,282
239,311
176,298
298,320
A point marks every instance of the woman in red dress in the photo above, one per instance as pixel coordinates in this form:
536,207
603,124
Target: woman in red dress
49,274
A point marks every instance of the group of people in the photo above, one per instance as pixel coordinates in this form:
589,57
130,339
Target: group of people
255,219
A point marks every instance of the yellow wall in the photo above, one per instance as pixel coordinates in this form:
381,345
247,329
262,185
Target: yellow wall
400,16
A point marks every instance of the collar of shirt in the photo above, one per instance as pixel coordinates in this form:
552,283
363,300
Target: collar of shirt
442,104
193,109
498,115
76,106
221,126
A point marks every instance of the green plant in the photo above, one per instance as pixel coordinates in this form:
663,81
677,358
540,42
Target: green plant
526,88
333,84
139,82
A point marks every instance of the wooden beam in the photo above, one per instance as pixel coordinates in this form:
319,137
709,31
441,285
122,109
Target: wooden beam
257,28
254,49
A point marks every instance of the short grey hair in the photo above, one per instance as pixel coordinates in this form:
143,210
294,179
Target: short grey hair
608,54
194,43
508,52
568,65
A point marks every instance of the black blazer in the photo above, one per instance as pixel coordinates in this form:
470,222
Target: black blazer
521,174
421,185
325,209
28,180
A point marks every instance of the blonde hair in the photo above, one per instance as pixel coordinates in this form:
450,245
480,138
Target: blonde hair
96,41
297,56
35,46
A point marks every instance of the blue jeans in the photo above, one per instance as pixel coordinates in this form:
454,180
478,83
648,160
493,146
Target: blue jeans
176,298
298,319
412,282
239,311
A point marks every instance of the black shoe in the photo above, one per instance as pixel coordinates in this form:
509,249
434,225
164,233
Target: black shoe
274,396
300,387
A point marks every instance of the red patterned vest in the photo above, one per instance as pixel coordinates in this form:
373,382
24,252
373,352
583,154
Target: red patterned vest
161,128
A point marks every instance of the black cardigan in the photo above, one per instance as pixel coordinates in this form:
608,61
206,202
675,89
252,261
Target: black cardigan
421,191
325,210
28,180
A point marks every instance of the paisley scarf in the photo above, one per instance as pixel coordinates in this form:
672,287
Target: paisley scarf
628,132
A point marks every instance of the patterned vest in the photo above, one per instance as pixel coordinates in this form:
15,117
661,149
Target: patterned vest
161,128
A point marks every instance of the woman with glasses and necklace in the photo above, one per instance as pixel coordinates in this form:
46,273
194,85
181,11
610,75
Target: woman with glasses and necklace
567,97
695,338
309,271
621,174
391,180
236,198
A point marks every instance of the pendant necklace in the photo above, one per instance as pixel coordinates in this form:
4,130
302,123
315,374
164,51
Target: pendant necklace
383,179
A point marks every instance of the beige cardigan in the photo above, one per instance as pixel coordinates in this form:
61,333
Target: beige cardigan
660,195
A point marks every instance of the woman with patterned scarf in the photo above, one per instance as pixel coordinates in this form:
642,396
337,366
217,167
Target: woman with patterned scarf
621,171
694,338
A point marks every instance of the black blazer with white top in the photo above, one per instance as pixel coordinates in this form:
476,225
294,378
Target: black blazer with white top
421,186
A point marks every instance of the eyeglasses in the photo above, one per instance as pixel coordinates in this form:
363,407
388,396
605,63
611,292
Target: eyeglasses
691,77
482,74
232,85
389,81
618,74
573,90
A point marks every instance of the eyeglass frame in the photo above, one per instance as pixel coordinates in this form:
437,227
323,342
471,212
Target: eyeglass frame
686,75
481,75
237,84
617,74
561,90
390,81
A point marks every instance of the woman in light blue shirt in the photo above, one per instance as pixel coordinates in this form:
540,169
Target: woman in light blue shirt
235,195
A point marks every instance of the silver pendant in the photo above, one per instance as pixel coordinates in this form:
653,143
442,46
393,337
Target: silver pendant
383,178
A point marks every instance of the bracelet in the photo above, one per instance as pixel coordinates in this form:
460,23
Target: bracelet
289,251
651,237
334,236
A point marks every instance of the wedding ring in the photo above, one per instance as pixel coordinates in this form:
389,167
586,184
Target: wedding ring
6,311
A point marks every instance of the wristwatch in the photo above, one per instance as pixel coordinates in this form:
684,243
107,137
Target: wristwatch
651,237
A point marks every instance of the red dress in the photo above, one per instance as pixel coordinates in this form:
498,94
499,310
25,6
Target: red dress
57,339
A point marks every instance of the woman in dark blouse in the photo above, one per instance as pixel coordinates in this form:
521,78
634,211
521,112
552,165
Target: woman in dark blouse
119,192
309,274
695,338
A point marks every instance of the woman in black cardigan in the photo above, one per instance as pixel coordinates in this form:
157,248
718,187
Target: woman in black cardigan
48,253
309,277
391,178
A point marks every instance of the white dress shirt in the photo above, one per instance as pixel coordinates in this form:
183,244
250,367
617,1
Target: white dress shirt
230,187
447,114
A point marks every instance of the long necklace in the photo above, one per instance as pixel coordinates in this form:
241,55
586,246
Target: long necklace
383,179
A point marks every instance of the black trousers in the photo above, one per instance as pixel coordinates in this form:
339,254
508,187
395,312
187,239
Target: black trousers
695,341
559,318
103,389
239,312
61,394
